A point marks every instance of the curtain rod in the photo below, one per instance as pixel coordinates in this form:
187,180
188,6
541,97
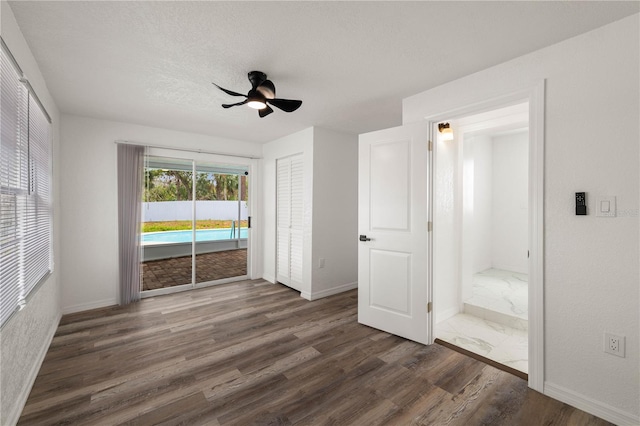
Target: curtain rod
199,151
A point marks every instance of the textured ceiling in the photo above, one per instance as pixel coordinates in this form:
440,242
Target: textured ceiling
351,63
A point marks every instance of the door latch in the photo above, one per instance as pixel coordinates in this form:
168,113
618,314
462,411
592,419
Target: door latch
364,238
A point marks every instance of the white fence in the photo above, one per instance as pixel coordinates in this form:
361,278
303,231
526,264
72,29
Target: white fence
181,210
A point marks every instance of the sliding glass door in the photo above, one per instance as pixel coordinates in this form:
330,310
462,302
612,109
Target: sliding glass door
194,231
167,223
221,244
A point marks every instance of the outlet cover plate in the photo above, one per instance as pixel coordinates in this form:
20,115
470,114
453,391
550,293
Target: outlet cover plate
614,344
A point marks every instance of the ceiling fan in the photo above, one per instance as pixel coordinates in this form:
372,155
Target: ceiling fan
262,92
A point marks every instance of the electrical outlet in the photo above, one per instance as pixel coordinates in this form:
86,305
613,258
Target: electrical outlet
614,344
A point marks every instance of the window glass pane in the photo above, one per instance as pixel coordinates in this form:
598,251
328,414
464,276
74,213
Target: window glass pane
38,207
167,227
13,183
26,254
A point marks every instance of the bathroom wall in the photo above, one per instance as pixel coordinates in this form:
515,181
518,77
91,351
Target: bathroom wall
481,151
446,231
509,207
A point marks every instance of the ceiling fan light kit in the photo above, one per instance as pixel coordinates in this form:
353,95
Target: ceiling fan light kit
262,93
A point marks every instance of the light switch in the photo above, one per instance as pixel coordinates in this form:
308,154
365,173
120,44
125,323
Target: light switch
606,206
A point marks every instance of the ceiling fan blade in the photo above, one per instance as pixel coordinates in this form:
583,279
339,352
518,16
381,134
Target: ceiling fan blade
287,105
265,111
231,105
268,89
229,92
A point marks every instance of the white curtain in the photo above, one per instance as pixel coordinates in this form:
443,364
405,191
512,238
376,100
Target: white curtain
130,172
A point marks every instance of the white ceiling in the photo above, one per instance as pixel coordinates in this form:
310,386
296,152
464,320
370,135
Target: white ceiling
351,63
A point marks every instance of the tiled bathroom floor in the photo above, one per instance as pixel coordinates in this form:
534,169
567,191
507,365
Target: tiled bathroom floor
501,291
501,343
494,324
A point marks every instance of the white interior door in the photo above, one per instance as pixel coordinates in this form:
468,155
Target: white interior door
393,216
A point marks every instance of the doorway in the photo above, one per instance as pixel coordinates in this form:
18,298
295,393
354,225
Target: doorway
481,235
195,224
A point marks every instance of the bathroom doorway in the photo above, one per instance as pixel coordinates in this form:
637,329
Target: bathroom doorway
481,236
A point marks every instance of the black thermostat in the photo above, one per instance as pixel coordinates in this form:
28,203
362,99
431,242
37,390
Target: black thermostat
581,203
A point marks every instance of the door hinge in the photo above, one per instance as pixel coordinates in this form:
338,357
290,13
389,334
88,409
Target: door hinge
429,307
429,226
249,222
430,146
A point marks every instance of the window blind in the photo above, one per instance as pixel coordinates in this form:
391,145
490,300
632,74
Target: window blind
25,189
38,206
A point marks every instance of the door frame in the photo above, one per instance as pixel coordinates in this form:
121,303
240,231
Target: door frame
535,96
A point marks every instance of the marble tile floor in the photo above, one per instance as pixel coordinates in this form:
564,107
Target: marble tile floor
500,296
498,342
495,319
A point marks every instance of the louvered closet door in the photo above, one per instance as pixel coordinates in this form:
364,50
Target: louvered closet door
297,209
283,205
289,200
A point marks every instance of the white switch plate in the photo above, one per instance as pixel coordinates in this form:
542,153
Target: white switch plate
606,206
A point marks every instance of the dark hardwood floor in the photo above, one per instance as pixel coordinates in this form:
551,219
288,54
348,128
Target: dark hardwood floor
256,353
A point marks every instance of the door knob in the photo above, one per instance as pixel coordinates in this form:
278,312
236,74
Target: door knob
364,238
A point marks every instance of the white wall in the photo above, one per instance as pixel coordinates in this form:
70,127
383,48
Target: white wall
335,212
592,267
330,208
477,195
482,193
509,210
25,338
497,220
89,226
445,231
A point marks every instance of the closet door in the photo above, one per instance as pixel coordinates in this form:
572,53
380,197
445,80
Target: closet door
283,219
290,199
297,217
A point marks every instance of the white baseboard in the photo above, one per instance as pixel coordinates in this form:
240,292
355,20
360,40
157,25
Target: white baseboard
21,399
88,306
591,406
446,314
510,268
329,292
269,278
305,295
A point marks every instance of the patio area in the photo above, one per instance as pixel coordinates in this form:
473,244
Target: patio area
209,267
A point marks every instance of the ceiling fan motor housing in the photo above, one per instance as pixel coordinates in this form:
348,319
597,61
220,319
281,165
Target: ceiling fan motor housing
256,78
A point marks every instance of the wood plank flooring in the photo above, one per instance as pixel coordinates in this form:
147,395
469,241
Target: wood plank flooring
254,353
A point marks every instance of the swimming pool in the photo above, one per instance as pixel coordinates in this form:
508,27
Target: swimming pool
185,236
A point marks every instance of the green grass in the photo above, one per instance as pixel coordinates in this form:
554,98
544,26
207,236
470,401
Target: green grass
185,225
